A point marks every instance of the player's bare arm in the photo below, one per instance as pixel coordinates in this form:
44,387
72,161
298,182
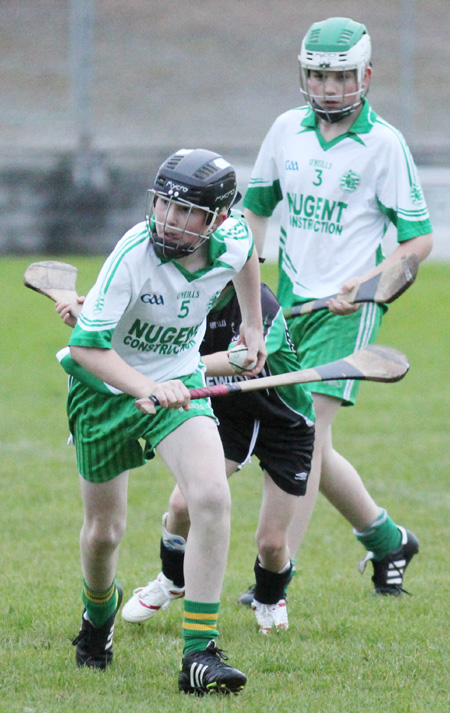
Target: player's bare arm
420,246
108,366
258,225
217,364
248,289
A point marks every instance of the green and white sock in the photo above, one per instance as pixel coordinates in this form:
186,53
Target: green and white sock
381,537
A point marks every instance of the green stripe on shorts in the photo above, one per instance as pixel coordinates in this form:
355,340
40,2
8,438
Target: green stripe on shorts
321,337
108,429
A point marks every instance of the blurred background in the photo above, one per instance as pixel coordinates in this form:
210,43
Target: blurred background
96,93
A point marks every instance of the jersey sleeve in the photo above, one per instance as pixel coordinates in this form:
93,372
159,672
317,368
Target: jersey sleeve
399,192
76,371
104,305
273,321
264,190
277,334
232,243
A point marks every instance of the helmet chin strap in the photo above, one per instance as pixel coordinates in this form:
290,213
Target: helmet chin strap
170,252
334,116
162,249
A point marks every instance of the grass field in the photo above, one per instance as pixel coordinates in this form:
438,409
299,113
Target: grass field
345,652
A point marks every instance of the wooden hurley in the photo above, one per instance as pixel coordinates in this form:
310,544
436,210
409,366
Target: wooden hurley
373,363
384,287
53,279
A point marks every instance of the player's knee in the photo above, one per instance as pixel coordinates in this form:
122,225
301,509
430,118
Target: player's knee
178,506
213,500
101,536
271,545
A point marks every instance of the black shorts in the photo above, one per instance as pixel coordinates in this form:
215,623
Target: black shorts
284,450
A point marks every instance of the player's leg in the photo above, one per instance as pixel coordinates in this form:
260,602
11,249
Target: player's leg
277,509
157,594
343,485
305,505
105,512
273,566
177,521
389,546
320,339
339,480
105,508
176,524
285,450
194,455
106,433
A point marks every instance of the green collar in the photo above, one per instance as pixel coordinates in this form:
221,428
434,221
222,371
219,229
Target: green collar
216,248
362,125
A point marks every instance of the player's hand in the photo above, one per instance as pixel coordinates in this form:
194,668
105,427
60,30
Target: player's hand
170,394
68,311
338,305
255,343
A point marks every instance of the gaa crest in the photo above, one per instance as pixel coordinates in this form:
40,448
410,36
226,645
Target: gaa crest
350,181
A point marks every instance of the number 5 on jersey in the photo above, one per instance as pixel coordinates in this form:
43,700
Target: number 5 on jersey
184,309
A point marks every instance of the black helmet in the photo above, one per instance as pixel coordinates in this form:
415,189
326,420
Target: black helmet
201,177
196,178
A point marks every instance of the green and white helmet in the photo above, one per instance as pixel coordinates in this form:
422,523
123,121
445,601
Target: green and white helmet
338,44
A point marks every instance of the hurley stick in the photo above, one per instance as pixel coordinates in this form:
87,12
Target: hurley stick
56,280
373,363
384,287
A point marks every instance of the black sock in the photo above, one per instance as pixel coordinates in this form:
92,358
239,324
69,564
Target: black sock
270,586
172,564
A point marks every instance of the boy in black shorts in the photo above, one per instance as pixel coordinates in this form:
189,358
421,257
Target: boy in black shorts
277,426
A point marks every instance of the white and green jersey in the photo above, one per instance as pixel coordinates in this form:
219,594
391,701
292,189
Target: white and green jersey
338,198
151,310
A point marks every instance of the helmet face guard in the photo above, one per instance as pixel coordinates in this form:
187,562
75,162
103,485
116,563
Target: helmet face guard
337,45
348,101
184,244
192,179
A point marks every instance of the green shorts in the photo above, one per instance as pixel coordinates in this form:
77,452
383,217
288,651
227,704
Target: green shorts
321,337
107,429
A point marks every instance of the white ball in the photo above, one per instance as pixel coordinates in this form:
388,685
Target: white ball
237,356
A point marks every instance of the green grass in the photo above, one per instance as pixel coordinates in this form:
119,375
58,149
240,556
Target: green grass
345,652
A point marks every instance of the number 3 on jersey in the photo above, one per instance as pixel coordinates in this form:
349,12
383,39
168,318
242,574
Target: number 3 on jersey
318,180
184,309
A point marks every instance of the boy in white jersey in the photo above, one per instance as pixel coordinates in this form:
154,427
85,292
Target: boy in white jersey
139,332
275,425
341,174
